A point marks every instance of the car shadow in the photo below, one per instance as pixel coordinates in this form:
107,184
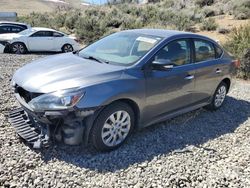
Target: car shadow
174,135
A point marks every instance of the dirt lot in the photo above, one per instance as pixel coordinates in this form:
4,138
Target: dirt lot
198,149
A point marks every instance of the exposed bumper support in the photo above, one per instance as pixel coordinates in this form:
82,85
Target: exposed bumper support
33,132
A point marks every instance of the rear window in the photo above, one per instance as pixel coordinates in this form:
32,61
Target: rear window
204,50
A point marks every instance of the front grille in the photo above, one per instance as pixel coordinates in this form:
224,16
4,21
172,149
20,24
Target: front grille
26,95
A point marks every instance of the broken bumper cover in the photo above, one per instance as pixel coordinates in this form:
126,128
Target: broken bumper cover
33,132
38,130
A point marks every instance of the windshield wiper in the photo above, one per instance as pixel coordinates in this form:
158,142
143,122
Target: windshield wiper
96,59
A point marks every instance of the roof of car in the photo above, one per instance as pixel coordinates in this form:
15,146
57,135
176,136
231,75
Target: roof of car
42,29
13,23
166,33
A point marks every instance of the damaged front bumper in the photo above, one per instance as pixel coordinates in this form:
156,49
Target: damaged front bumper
41,129
70,126
35,133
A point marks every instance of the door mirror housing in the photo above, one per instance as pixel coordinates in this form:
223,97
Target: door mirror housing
162,64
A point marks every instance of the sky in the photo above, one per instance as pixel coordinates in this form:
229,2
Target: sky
96,1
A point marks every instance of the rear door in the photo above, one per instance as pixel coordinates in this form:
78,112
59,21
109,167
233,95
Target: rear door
58,40
41,41
209,70
171,90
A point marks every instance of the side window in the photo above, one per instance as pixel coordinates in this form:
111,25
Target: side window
204,50
15,29
55,34
42,34
178,52
6,29
1,29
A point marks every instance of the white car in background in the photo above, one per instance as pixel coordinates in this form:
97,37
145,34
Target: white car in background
39,39
2,48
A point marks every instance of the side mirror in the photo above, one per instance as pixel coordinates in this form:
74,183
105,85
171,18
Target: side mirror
162,64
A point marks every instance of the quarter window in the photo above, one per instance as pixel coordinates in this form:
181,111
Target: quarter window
218,51
178,52
204,51
56,34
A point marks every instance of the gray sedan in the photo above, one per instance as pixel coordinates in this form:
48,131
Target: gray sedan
125,81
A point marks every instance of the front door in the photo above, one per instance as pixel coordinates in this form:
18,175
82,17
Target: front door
41,41
170,90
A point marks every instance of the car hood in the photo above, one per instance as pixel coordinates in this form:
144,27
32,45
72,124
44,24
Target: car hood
8,36
63,71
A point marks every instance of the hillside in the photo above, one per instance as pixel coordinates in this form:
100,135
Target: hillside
24,7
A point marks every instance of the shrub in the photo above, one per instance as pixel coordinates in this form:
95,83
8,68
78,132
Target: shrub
223,30
239,45
208,12
89,29
71,19
131,23
209,24
182,22
244,71
202,3
241,9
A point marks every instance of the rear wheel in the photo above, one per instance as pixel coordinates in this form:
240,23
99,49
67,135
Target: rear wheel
112,127
18,48
67,48
219,97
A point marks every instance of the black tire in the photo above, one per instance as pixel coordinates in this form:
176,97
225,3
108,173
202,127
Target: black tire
96,133
18,48
213,105
67,48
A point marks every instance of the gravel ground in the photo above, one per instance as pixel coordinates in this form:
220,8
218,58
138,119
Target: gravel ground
198,149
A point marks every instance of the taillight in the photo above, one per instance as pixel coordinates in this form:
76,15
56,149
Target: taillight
236,63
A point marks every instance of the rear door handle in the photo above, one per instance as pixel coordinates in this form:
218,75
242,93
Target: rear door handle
189,77
218,71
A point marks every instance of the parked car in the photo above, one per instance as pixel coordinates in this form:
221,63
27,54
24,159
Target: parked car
12,27
125,81
38,39
2,48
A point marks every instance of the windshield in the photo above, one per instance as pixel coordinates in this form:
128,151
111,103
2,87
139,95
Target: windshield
124,48
25,32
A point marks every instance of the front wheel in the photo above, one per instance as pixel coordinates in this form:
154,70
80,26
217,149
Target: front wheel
67,48
219,97
112,127
18,48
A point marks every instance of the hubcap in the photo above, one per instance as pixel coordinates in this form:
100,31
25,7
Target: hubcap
68,48
116,128
220,96
18,48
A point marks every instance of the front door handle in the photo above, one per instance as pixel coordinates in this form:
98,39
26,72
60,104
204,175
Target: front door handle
189,77
218,71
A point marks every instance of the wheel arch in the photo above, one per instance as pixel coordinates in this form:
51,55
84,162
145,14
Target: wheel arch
228,82
22,42
91,119
67,43
134,107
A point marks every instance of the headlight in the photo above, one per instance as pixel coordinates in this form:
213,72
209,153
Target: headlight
56,101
